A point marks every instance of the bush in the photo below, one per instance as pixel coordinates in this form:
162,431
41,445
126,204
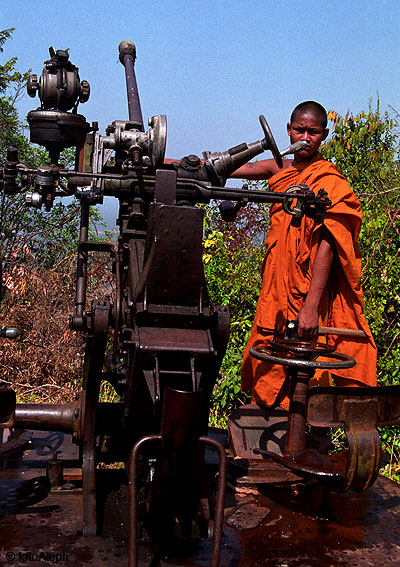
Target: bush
44,363
233,254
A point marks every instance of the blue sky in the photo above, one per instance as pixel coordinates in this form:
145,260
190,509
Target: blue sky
213,67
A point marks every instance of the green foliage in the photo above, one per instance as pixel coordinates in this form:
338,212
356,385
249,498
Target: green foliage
12,84
391,447
233,254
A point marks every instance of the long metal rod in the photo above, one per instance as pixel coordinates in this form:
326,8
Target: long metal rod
220,499
192,188
213,192
47,417
81,269
133,556
66,417
296,428
127,56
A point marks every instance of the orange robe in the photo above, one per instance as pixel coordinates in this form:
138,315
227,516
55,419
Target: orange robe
287,272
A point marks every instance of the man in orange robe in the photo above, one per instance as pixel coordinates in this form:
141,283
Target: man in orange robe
310,273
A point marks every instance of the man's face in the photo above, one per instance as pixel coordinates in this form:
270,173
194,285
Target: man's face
306,127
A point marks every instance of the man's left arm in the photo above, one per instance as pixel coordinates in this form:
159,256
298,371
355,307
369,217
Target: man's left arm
308,316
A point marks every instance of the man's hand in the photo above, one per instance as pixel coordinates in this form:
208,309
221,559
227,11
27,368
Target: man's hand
308,323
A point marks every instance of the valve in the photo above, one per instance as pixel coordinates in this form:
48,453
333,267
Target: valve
314,210
296,211
123,135
44,181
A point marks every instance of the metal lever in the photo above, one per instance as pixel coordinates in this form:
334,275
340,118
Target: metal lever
127,56
296,147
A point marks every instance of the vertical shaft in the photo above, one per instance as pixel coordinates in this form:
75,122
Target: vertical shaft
220,499
81,275
133,497
127,56
296,428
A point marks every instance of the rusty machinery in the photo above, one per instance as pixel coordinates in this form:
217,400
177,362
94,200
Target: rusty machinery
262,439
168,338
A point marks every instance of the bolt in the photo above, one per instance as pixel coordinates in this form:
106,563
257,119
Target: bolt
32,85
192,159
84,91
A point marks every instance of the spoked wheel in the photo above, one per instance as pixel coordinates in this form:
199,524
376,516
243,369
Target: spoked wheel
301,359
299,355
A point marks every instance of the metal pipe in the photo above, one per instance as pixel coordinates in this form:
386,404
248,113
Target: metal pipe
255,196
220,499
127,56
47,417
190,188
133,556
66,417
296,147
296,428
81,270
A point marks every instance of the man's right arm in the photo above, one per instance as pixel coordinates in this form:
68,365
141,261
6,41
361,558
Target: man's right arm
263,169
255,170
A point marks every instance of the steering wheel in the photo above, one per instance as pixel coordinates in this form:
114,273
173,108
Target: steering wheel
267,353
269,142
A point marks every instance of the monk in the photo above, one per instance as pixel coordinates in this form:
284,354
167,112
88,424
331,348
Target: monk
311,273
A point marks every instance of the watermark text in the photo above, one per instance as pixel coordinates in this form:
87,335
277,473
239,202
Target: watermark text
37,556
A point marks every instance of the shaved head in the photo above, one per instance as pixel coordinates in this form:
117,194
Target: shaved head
311,107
